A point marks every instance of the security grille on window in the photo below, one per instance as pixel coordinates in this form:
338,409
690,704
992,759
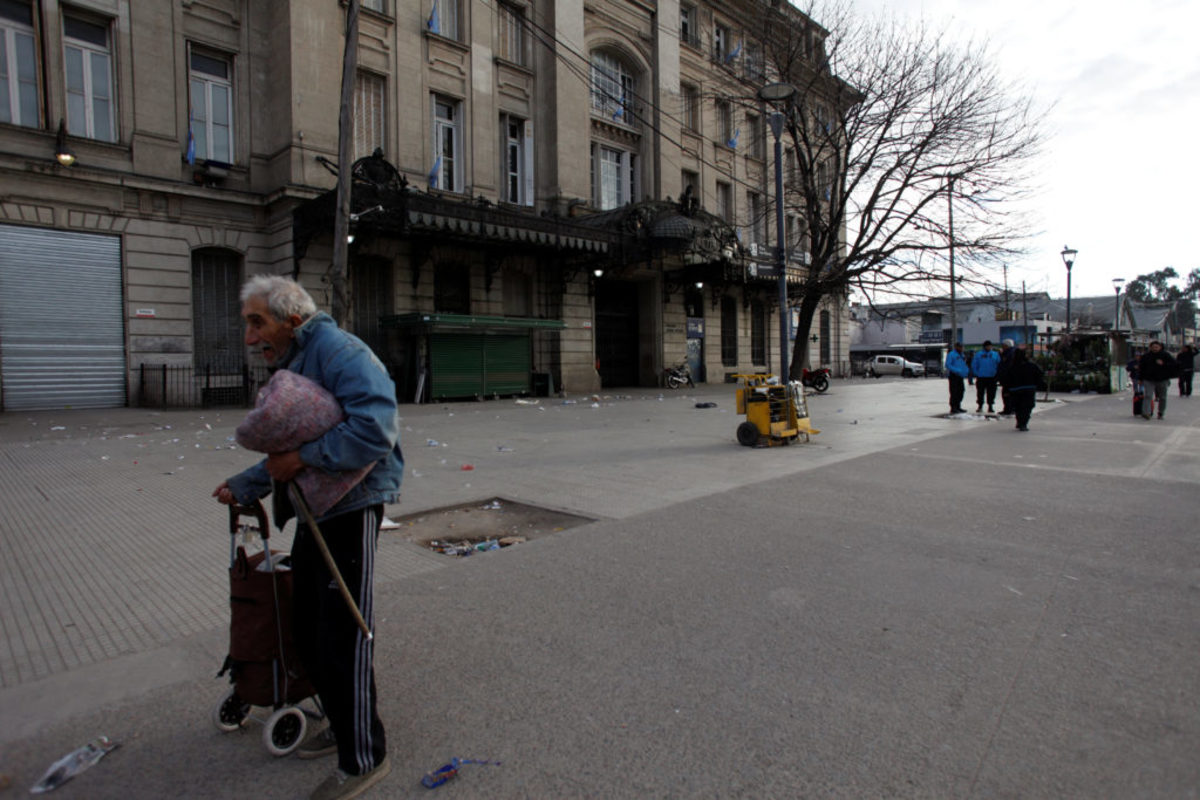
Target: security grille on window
724,201
689,30
446,132
613,88
758,219
758,333
512,33
90,97
517,186
18,65
368,113
724,121
690,99
720,43
729,335
216,324
211,97
758,137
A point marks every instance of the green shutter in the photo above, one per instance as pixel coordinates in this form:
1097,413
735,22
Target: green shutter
479,364
507,364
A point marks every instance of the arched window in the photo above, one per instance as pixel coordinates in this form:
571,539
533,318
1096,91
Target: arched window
614,88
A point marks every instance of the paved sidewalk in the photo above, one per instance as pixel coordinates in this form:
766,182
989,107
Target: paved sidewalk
908,605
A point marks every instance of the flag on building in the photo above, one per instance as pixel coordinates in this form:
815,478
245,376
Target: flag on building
434,23
435,173
733,142
737,51
191,142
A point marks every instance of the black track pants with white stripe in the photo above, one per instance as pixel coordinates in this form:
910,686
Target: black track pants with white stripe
335,652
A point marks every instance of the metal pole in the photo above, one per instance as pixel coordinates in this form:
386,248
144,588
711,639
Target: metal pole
953,304
781,251
1025,316
341,220
1069,298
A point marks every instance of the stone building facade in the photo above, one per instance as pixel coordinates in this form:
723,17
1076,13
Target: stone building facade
583,187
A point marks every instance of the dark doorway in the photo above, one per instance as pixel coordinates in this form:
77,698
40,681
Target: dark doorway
617,333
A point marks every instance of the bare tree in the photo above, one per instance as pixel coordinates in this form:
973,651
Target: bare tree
894,128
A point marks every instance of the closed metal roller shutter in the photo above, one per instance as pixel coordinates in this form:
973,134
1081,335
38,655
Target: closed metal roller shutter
479,364
62,333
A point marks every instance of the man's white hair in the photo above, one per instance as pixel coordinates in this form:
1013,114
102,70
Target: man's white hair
283,295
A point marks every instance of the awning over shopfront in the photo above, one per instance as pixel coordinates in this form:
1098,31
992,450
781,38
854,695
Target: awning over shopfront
384,205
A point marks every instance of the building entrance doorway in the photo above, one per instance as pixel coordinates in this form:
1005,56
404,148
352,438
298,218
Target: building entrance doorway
617,333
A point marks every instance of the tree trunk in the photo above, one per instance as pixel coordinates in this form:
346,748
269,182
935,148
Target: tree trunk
808,309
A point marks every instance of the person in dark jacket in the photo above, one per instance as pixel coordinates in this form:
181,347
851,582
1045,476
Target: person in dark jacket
1156,368
1007,348
1023,378
1187,367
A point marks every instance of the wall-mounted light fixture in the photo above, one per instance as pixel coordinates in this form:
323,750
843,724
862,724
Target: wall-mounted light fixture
596,275
699,284
62,153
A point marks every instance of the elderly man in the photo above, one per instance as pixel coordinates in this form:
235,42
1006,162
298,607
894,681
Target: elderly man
284,326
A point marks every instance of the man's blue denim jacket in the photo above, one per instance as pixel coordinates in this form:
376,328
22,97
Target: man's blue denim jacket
343,364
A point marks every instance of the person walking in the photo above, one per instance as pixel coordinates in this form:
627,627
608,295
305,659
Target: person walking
957,372
984,367
1007,347
284,326
1023,378
1187,368
1156,368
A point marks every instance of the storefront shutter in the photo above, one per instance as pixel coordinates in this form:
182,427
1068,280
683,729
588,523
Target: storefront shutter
62,332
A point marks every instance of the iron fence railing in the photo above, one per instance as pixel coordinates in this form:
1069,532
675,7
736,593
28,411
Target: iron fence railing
199,386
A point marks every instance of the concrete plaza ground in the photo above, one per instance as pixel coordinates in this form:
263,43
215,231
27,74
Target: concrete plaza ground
908,605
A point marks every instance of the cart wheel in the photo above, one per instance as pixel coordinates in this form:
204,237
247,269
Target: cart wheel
230,712
284,731
747,434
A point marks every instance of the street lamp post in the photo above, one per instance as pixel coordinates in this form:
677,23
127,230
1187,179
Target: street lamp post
781,93
1117,308
1068,257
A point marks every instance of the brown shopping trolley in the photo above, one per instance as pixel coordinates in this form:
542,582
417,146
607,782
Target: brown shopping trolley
262,663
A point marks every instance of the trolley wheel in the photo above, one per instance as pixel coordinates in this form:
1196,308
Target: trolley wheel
820,383
284,730
230,712
747,434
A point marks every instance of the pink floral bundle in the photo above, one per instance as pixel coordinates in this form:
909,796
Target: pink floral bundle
292,410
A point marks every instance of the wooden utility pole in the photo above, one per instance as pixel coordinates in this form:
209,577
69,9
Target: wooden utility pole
341,220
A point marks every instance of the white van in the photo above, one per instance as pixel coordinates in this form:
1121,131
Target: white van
894,365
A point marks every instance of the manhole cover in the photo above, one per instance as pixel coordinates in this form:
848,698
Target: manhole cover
482,525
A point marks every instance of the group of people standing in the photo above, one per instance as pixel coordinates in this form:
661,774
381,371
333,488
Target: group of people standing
1151,373
1010,370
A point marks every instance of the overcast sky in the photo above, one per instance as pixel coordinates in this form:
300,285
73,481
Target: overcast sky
1121,166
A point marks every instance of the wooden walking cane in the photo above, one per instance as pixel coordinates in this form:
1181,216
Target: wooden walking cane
298,501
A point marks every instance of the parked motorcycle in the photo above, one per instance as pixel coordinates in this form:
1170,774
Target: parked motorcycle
816,379
678,375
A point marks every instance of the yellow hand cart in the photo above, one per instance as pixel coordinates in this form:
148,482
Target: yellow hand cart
775,413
